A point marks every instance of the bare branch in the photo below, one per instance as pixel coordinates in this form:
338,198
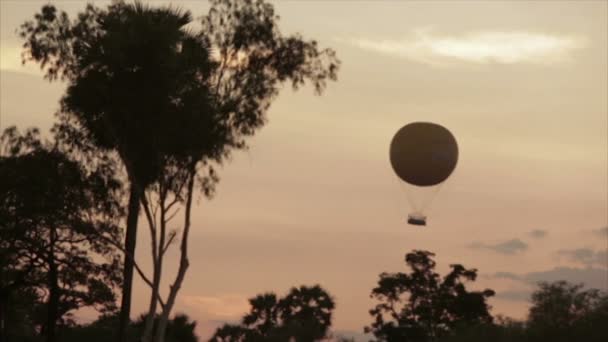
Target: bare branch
172,203
137,268
183,264
152,225
172,236
171,216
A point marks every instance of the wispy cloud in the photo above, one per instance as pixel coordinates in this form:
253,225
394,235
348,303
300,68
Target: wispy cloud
515,295
512,246
538,233
591,277
505,47
602,232
586,256
507,275
225,307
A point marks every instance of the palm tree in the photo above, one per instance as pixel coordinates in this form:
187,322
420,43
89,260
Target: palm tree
129,69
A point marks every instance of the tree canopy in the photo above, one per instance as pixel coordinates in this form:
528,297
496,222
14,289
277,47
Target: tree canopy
141,83
303,315
562,311
422,306
53,213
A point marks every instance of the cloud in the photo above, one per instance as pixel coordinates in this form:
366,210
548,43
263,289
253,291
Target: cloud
481,47
602,232
517,296
586,257
225,307
538,233
509,247
507,275
591,277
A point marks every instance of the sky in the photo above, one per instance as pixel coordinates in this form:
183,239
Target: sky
523,87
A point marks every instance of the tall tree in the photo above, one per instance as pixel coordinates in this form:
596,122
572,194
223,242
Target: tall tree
145,87
129,69
53,211
422,306
303,315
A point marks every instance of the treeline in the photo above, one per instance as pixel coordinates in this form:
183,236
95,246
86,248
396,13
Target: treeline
418,305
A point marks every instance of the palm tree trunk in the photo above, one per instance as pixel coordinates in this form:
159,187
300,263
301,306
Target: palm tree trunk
130,239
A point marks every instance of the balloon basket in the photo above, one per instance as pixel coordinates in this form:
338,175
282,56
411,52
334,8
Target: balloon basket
416,219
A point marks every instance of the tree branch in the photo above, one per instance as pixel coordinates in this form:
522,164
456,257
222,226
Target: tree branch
135,264
171,238
183,264
171,216
152,226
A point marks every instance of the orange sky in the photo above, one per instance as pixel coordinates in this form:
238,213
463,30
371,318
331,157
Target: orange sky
522,85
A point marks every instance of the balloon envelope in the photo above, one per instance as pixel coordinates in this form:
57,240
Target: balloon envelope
423,153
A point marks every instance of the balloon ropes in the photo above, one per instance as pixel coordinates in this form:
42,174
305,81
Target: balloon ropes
423,155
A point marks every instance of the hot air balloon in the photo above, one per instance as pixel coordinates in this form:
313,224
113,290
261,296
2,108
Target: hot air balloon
423,155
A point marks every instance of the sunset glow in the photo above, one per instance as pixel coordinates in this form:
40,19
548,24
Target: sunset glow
521,85
478,47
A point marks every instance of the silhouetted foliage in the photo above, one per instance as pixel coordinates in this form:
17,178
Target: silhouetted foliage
422,306
303,315
501,330
136,85
562,311
53,213
101,330
22,312
179,329
559,312
142,85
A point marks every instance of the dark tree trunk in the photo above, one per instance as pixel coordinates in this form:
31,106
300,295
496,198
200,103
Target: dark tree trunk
3,311
53,303
130,239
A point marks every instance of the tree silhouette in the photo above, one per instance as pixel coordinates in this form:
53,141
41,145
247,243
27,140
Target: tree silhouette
22,308
130,69
101,330
179,329
143,86
562,311
303,315
501,330
559,312
422,306
53,212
